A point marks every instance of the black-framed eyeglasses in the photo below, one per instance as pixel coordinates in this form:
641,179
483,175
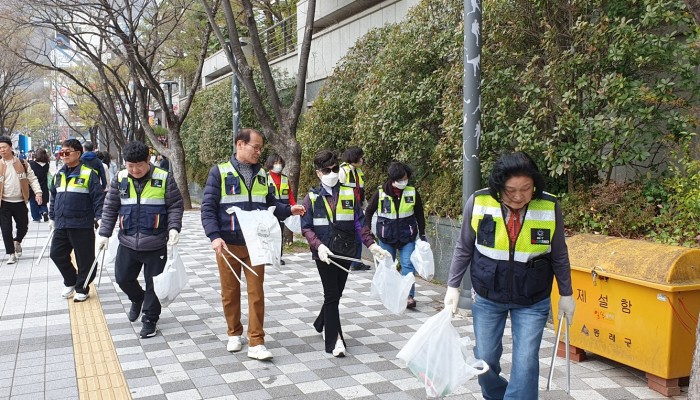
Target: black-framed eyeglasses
328,170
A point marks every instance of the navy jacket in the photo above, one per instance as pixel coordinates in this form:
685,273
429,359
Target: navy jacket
71,210
210,207
90,159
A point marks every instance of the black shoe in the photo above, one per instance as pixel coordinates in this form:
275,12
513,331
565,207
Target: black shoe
282,262
360,267
410,303
135,310
46,216
148,329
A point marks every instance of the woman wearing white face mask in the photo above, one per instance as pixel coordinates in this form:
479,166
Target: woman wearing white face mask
332,228
400,219
279,183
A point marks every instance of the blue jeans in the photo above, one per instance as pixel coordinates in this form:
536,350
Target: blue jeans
527,326
37,209
405,259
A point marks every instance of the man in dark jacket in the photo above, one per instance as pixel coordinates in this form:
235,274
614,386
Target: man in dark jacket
148,204
90,159
76,203
240,182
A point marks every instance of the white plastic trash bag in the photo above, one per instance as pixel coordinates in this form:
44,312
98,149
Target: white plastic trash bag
390,287
438,358
171,281
112,248
293,223
422,259
262,234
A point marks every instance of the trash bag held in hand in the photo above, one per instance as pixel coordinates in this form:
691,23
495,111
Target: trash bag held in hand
422,259
389,286
293,223
171,281
112,247
438,358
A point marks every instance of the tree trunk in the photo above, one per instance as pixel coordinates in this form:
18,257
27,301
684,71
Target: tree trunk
176,156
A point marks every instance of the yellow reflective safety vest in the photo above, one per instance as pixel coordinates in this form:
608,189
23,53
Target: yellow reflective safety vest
234,192
281,194
143,212
342,217
73,206
396,226
350,180
521,274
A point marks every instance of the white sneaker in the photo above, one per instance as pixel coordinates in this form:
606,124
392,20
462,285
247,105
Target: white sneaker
68,292
18,249
339,350
259,352
12,259
80,297
234,344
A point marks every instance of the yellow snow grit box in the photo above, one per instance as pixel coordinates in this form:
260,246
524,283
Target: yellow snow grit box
637,302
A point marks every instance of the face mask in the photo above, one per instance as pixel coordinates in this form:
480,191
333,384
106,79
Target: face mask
330,180
400,184
277,168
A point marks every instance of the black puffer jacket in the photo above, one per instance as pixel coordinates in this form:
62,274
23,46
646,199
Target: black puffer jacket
140,241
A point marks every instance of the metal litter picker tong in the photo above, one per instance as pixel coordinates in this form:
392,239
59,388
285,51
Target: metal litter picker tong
240,261
43,250
554,355
92,268
343,258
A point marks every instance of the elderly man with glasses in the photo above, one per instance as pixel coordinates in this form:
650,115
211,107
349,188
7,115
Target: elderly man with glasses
76,203
240,182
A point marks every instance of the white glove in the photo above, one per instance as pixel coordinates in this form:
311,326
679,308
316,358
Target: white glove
567,307
324,254
452,298
51,224
173,237
378,252
102,242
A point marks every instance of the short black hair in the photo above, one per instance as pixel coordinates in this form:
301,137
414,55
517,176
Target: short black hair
88,146
135,151
353,154
6,140
73,144
398,170
325,158
244,135
273,159
514,164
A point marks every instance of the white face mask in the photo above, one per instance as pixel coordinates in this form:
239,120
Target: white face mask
400,184
330,180
277,168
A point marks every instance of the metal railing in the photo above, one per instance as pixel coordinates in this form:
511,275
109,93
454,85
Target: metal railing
280,39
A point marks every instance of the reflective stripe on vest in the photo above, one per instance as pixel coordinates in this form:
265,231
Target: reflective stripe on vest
79,184
258,193
350,176
283,192
405,207
540,215
344,209
153,193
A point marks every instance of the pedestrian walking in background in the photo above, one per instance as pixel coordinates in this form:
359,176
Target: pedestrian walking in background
400,219
148,204
240,182
164,163
90,159
280,184
16,177
513,237
334,216
350,175
40,167
74,210
104,157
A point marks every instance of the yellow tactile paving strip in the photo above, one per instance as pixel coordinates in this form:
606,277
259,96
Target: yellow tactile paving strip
97,367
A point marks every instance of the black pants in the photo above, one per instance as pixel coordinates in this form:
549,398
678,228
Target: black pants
8,211
82,243
127,269
333,280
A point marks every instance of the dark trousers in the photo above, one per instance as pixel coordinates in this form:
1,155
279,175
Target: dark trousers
37,209
127,269
82,243
333,280
8,211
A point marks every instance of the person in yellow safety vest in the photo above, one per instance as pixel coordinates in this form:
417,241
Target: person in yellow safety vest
332,227
240,182
279,182
350,175
512,242
148,206
400,219
76,203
